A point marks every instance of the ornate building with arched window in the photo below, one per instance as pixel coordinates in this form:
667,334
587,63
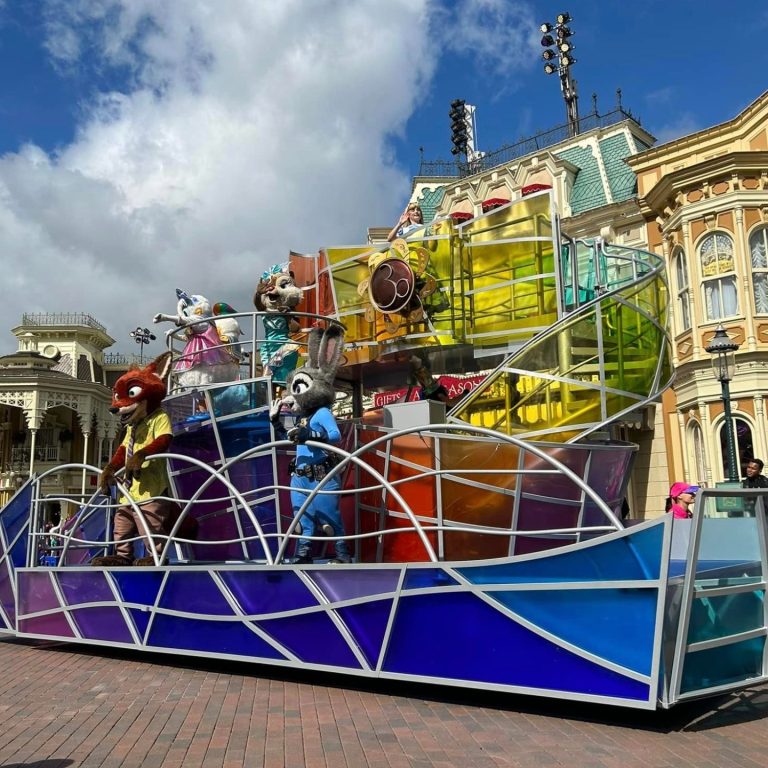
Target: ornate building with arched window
705,201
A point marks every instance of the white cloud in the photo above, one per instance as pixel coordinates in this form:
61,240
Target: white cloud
682,125
249,128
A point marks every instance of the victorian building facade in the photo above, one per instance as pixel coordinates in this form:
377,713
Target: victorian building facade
54,404
704,198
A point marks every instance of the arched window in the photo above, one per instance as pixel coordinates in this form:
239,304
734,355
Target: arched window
719,278
696,453
744,446
680,265
758,252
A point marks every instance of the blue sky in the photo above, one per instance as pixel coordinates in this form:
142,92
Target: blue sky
152,144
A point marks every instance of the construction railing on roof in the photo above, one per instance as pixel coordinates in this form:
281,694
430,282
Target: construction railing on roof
528,146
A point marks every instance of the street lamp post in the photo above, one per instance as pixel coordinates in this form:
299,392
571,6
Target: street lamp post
560,60
142,336
723,351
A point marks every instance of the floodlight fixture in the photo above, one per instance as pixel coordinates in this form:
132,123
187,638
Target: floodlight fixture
564,18
550,69
545,27
564,47
567,61
547,40
548,55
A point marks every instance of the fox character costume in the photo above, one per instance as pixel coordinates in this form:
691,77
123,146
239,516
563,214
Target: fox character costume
136,399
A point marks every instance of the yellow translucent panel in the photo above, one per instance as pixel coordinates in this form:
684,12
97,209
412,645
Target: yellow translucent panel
528,217
340,254
508,295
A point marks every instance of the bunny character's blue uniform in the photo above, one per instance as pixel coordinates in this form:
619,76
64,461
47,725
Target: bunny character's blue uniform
312,464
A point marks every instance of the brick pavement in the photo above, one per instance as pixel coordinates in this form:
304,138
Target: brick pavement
63,707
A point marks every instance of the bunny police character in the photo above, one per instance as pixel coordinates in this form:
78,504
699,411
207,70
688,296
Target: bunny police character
310,394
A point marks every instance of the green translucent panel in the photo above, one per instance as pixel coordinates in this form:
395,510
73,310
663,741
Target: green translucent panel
725,664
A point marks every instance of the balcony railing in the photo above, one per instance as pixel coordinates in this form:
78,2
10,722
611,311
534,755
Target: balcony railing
62,318
510,152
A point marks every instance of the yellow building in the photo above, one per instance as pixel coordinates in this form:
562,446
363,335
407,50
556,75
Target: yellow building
704,198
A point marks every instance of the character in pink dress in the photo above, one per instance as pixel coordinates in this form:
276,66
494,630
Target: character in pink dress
205,359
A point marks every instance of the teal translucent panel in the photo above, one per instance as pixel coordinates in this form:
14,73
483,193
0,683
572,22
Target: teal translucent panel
729,547
730,614
726,664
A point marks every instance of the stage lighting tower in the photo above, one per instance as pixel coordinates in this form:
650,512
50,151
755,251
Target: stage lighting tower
558,57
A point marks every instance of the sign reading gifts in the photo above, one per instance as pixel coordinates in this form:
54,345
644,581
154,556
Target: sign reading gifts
454,386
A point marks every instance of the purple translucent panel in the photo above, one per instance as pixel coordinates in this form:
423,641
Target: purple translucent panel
632,556
138,585
103,623
220,637
36,592
312,637
7,594
348,584
267,519
555,485
53,625
535,515
421,578
221,527
596,620
15,513
18,552
607,473
368,623
260,592
140,620
85,587
194,592
484,646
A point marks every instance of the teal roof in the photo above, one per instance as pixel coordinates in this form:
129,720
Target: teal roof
588,191
621,180
430,201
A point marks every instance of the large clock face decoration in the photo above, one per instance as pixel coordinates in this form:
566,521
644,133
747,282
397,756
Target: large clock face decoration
392,286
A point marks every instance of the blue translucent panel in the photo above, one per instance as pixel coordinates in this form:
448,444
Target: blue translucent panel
264,591
724,615
85,587
15,513
18,553
347,584
367,623
720,666
313,637
456,636
729,539
194,592
422,578
138,586
140,620
633,556
239,434
596,620
103,623
223,637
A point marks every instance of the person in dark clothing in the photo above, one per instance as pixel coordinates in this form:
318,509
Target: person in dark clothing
754,478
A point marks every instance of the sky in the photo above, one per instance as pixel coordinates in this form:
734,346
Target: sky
147,145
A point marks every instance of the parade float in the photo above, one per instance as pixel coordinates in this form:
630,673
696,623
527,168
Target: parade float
486,547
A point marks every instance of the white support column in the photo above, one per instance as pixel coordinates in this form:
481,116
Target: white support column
745,266
33,433
86,438
762,435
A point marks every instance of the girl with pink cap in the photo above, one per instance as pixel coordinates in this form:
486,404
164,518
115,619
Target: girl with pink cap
681,499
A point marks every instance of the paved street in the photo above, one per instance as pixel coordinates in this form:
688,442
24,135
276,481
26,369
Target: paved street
62,707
